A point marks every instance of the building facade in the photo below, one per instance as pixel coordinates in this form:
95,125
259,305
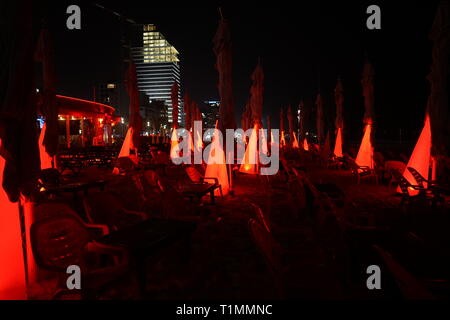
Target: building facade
210,113
108,93
157,66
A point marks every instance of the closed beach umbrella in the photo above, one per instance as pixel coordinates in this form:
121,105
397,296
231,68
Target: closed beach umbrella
339,122
365,153
133,93
319,118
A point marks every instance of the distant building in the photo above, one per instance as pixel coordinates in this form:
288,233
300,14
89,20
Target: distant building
157,66
210,113
108,93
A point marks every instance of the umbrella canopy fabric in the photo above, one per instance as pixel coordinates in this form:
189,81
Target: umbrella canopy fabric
368,92
188,112
246,118
339,100
305,145
18,112
196,115
224,61
301,120
295,144
197,134
291,124
256,95
282,141
222,50
174,95
319,118
128,146
339,122
133,93
174,145
12,277
338,144
326,150
250,162
420,157
437,107
216,166
48,105
46,159
365,152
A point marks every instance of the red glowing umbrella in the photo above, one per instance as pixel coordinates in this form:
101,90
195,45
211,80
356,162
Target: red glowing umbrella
133,93
48,107
434,137
368,92
437,107
174,145
189,118
250,162
222,50
365,153
46,159
188,112
291,124
18,107
319,118
420,157
326,150
197,134
216,165
339,122
196,115
301,120
305,144
339,99
282,141
174,96
19,151
246,118
256,95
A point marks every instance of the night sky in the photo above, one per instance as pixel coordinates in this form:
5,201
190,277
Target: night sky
304,46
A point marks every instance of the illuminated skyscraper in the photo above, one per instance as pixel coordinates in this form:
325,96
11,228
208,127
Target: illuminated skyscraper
108,93
210,113
157,67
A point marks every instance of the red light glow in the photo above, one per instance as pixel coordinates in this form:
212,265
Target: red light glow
421,156
46,160
338,146
295,143
305,145
12,275
216,166
250,160
365,153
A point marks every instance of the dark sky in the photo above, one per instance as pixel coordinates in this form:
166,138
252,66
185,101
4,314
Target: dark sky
304,46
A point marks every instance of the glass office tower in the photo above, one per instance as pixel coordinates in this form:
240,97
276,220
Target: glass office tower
157,66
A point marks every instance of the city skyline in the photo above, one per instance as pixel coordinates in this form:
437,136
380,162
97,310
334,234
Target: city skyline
300,55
